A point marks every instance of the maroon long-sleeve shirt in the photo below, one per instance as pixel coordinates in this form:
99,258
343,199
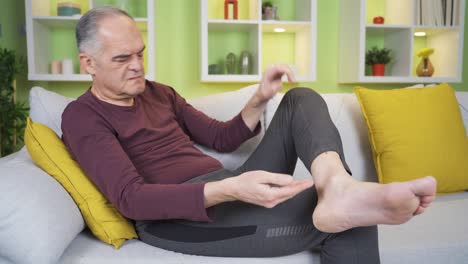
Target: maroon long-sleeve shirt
139,156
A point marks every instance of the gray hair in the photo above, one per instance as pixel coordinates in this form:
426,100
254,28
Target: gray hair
88,26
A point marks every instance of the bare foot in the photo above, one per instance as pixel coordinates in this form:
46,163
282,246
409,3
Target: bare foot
345,203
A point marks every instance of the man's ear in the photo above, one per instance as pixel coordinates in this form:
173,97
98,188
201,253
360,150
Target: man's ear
87,64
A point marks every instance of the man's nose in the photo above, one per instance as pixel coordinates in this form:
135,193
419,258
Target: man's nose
136,64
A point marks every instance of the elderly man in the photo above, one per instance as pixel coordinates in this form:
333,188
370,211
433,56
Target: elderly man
135,140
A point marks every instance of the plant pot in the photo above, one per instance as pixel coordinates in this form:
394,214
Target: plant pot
378,69
425,68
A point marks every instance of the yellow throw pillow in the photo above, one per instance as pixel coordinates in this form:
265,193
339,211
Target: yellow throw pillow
48,151
417,132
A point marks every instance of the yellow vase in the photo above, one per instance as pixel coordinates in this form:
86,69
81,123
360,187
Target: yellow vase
425,68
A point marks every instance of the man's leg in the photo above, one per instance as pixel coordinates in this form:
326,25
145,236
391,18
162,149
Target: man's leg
240,229
303,128
244,230
355,245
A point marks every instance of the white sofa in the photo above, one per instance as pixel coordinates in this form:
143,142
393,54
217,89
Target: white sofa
438,236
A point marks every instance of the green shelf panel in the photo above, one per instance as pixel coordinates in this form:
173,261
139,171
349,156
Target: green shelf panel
374,38
60,51
220,44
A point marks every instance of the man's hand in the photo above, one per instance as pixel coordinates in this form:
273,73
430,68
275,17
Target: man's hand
256,187
270,85
271,81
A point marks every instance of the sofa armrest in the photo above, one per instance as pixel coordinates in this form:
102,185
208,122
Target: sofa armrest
462,98
38,219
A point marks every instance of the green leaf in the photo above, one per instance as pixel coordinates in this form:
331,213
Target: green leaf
12,116
377,55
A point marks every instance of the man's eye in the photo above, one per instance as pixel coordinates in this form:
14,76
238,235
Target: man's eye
140,55
122,59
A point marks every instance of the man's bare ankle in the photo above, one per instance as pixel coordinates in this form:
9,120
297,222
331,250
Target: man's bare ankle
330,177
326,166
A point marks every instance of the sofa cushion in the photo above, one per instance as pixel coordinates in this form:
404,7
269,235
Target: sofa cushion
38,219
345,113
462,98
49,152
86,250
225,106
47,107
439,235
417,132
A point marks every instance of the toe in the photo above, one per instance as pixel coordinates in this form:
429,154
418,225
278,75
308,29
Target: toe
424,186
420,210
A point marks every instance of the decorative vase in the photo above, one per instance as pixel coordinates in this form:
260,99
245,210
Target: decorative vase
245,63
378,69
425,68
230,63
227,6
214,69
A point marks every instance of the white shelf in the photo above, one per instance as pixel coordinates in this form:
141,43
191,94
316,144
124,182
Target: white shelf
44,31
398,79
225,27
358,34
59,77
232,78
62,77
435,30
282,22
251,33
231,21
388,26
288,26
56,21
71,21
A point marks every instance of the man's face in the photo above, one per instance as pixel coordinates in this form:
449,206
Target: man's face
118,69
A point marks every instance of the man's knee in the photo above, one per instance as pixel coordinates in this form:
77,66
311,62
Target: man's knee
305,94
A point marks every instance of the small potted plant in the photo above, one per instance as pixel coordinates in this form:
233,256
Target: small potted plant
378,58
269,11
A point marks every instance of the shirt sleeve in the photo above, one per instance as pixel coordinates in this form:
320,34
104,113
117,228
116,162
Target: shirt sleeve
93,144
220,136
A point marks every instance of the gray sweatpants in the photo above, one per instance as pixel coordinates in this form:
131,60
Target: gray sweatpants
301,128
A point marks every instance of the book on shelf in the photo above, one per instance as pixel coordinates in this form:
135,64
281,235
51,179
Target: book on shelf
456,20
437,13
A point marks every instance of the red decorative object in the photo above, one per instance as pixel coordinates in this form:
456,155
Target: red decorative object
378,20
378,69
226,8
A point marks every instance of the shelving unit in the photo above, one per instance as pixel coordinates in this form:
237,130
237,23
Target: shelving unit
358,34
51,37
296,46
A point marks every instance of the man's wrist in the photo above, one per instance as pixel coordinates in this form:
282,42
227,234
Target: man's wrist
258,100
218,192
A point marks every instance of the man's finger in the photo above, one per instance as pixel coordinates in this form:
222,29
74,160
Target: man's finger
285,69
292,189
286,196
276,179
